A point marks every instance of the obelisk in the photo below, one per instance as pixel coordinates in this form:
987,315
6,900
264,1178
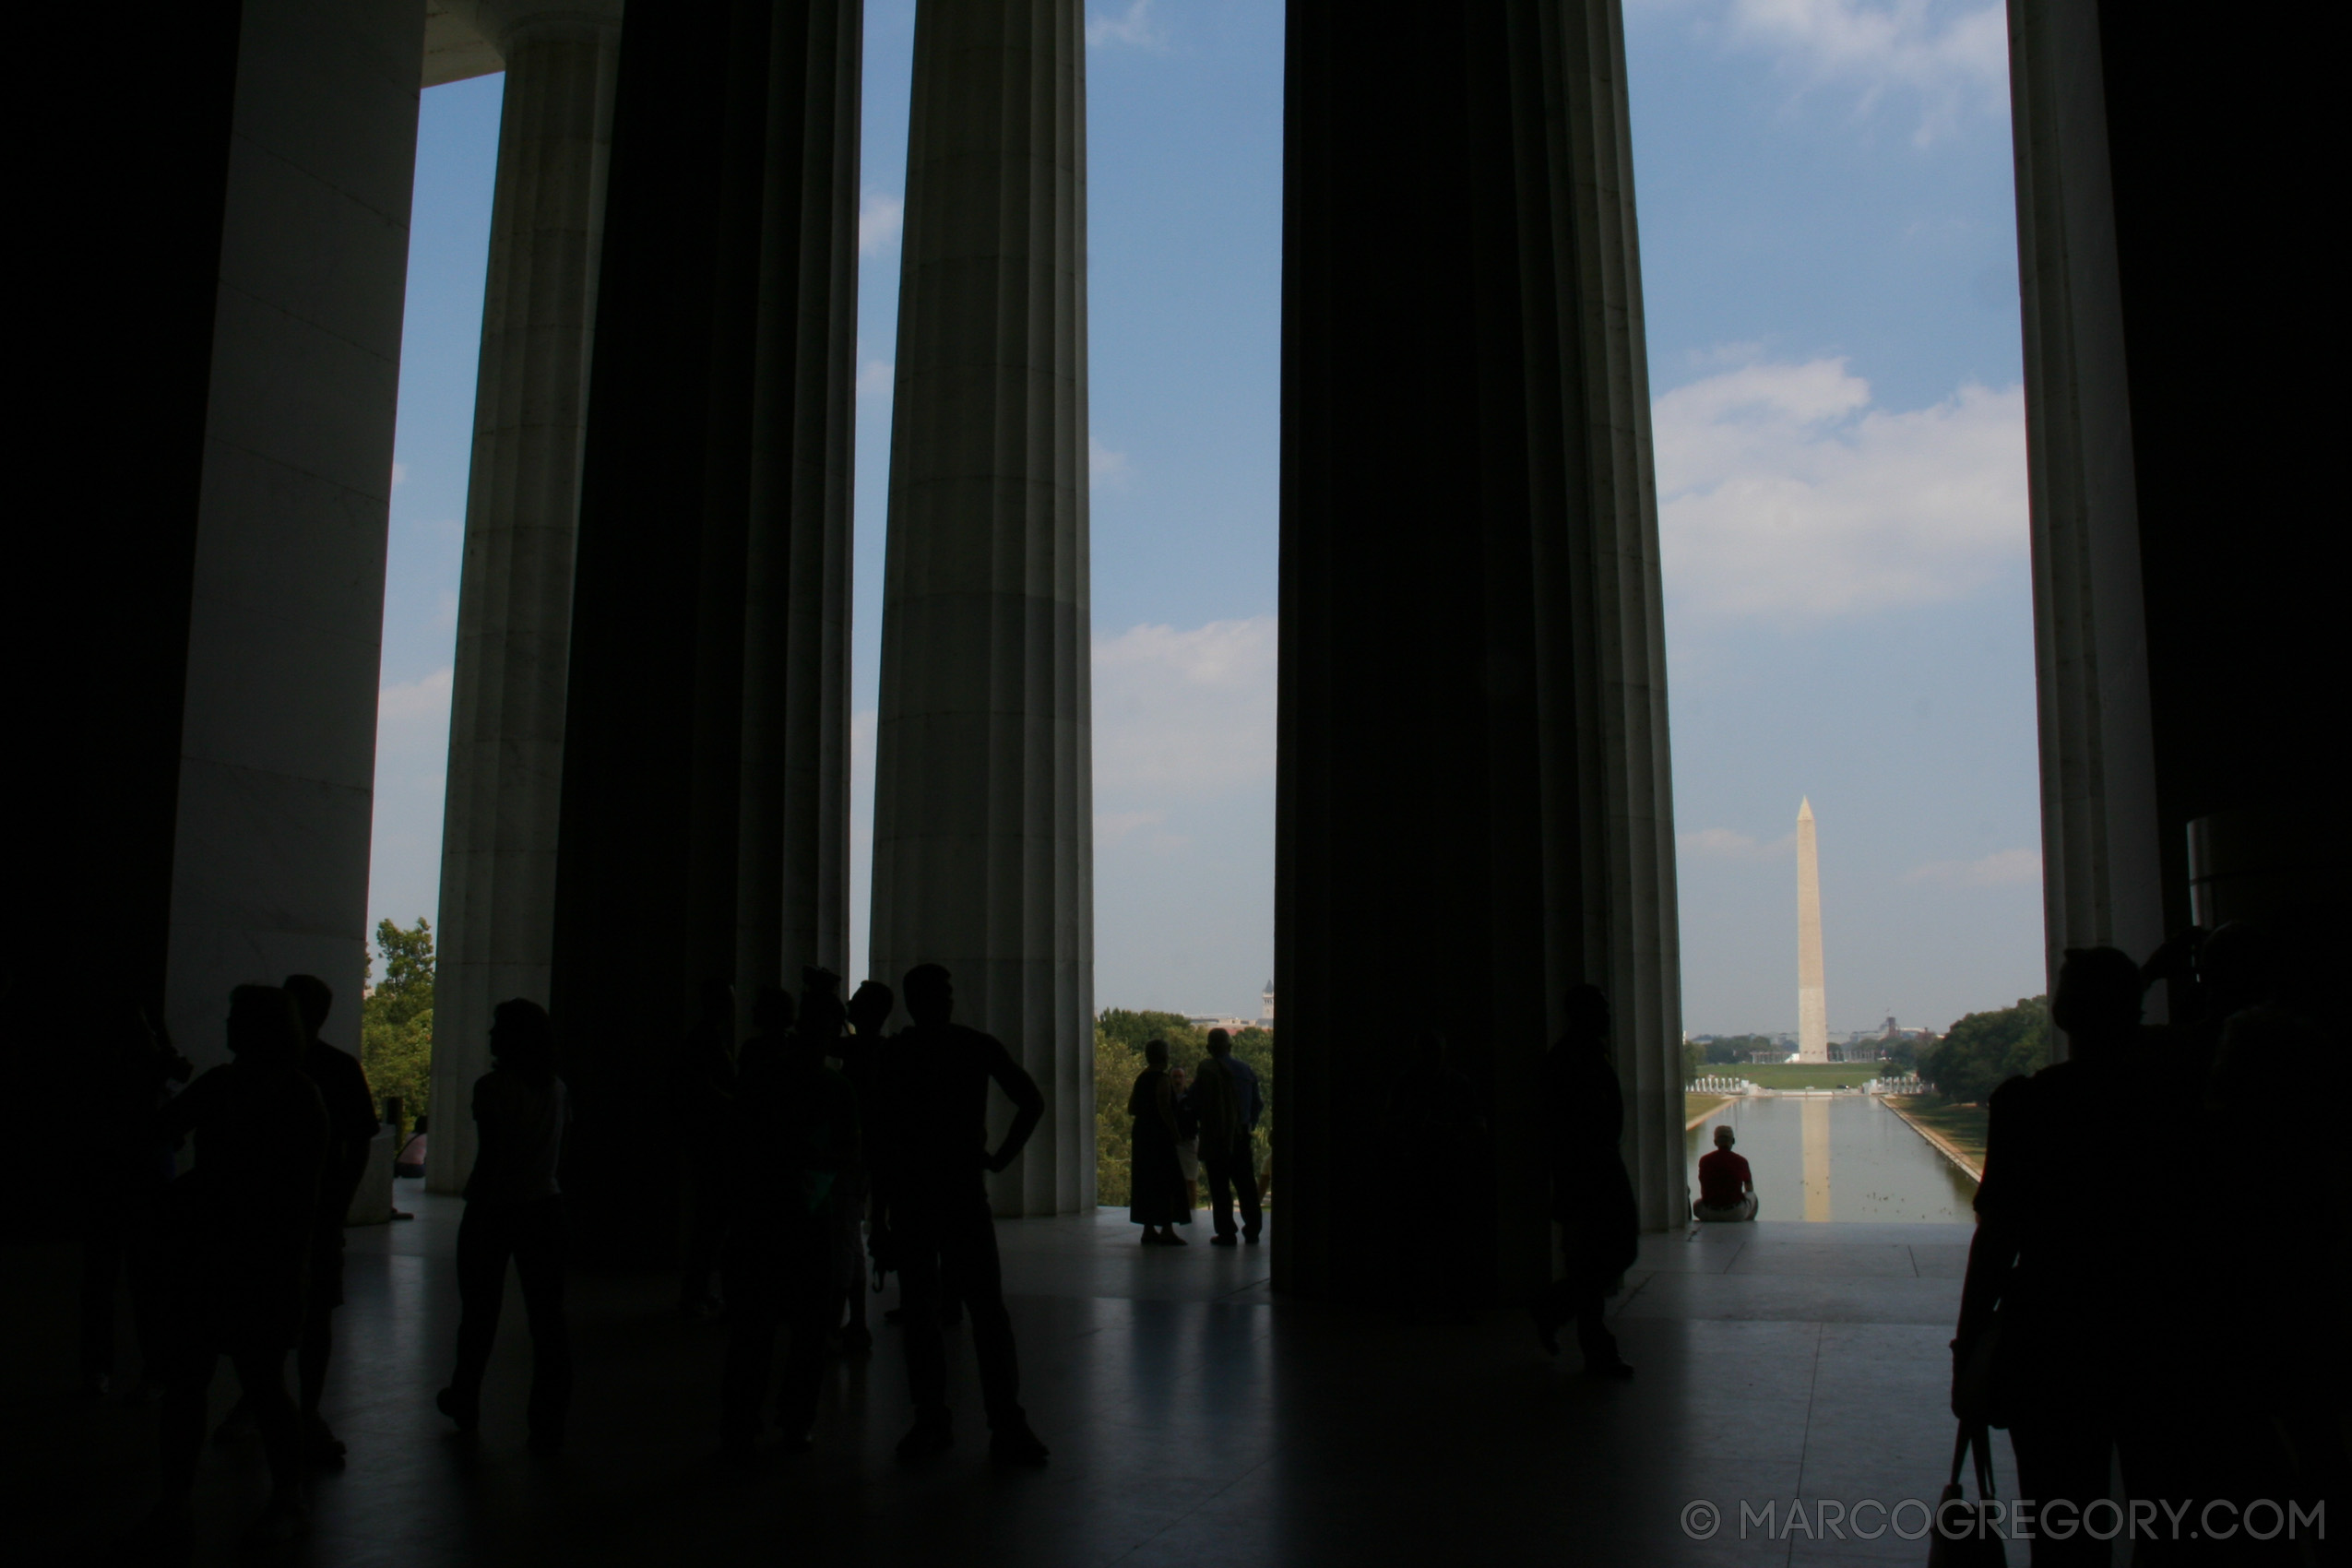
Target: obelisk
1812,1002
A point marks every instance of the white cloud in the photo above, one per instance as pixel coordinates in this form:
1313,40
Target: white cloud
1106,467
1132,27
879,216
1123,826
874,378
1783,493
1184,713
399,475
1952,59
1723,844
414,714
2006,868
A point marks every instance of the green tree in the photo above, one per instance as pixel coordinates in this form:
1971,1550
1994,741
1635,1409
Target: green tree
1727,1050
1116,1066
1186,1045
1985,1049
1255,1046
1694,1060
395,1020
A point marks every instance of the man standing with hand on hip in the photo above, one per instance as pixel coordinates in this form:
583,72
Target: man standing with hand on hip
932,1129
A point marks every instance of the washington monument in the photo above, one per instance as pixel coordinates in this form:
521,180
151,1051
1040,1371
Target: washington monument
1812,1003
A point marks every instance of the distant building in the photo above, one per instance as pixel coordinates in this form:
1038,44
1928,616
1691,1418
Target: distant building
1266,1006
1230,1026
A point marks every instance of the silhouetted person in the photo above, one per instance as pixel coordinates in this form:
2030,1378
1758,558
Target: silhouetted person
705,1081
795,1134
1592,1197
350,1125
826,1020
933,1094
1154,1176
515,1212
2277,1426
1436,1126
237,1230
2068,1267
859,1049
1727,1192
410,1161
774,1017
129,1167
1225,1101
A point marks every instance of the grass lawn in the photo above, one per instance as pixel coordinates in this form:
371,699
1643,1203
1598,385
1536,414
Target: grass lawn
1961,1125
1697,1107
1796,1076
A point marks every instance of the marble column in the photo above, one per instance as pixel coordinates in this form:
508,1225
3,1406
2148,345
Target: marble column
2180,476
514,599
791,834
1474,808
705,833
2102,876
983,832
285,607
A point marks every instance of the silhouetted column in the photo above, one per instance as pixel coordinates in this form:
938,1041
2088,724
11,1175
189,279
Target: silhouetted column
983,831
704,831
2101,876
1474,804
277,745
792,847
514,599
2177,467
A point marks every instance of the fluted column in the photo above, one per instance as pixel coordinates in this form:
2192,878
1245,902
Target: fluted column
1473,800
514,599
2102,871
984,833
706,758
792,829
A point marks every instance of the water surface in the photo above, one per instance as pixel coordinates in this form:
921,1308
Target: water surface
1843,1156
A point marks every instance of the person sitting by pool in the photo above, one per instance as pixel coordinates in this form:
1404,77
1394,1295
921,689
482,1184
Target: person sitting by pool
1727,1192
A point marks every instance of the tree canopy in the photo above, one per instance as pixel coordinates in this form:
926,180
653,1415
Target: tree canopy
1727,1049
395,1020
1985,1049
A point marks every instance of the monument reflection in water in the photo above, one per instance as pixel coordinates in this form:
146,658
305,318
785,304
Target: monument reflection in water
1837,1157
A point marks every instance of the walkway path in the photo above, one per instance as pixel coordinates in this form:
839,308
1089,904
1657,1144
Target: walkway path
1194,1418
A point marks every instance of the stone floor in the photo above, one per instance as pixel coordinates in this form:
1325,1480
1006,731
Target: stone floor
1195,1419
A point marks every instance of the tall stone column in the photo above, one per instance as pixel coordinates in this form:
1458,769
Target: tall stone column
2179,630
515,598
1473,800
285,606
706,758
983,815
2102,876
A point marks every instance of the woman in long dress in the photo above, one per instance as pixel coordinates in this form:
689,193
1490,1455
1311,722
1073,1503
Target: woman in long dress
1155,1179
1188,1137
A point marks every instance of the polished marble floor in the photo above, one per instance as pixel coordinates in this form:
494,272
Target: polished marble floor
1195,1419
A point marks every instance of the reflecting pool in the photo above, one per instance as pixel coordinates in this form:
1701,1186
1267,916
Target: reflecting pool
1841,1157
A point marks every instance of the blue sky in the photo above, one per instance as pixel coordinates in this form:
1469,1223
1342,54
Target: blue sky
1829,271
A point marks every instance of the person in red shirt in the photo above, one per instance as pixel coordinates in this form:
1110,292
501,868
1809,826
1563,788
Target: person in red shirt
1726,1190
